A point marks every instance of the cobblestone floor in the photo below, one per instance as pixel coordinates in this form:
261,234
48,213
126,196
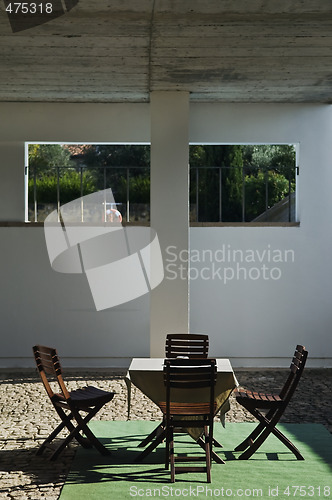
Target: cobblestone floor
27,417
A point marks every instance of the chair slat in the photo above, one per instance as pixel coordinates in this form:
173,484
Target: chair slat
193,344
182,344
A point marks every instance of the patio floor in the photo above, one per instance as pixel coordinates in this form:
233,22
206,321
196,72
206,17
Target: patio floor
27,417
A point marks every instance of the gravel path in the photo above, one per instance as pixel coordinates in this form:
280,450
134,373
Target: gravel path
27,417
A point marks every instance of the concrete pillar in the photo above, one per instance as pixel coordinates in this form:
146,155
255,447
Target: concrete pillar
169,306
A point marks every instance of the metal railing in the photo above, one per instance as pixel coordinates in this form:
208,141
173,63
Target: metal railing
216,196
288,202
125,173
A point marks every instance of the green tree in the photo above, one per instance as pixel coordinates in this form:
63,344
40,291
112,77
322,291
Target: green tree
50,164
108,164
263,191
270,176
44,157
226,175
272,156
117,155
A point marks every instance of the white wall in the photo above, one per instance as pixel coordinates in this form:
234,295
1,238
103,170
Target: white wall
263,318
38,305
247,320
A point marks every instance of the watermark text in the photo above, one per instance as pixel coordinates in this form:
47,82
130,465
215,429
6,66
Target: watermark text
227,263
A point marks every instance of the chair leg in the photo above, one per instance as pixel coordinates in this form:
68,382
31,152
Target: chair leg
82,426
208,449
248,441
287,443
74,432
60,448
66,419
269,427
208,463
255,445
50,438
214,455
172,457
265,427
167,448
254,434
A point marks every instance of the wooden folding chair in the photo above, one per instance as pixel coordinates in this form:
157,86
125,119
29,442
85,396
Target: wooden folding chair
192,345
68,405
189,375
274,405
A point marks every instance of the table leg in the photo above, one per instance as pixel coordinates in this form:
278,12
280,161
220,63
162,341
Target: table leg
214,455
160,434
128,384
159,438
153,434
216,443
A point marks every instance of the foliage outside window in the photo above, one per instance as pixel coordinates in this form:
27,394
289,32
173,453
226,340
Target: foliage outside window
242,183
228,183
61,173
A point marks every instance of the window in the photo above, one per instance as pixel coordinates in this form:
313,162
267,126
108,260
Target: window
228,183
60,173
242,183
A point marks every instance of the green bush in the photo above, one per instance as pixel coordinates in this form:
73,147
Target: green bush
255,191
69,184
139,189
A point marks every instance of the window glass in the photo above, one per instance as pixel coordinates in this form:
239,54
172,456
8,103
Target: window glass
242,183
60,173
228,183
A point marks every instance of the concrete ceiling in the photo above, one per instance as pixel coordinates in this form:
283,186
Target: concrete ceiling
218,50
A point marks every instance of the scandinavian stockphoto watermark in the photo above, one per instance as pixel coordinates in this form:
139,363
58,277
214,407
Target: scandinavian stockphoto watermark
123,263
227,263
27,15
120,263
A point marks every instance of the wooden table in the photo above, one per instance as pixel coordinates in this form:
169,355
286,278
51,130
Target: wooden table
147,375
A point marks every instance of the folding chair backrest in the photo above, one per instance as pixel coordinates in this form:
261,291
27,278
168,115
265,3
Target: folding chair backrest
296,370
49,366
194,345
190,374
